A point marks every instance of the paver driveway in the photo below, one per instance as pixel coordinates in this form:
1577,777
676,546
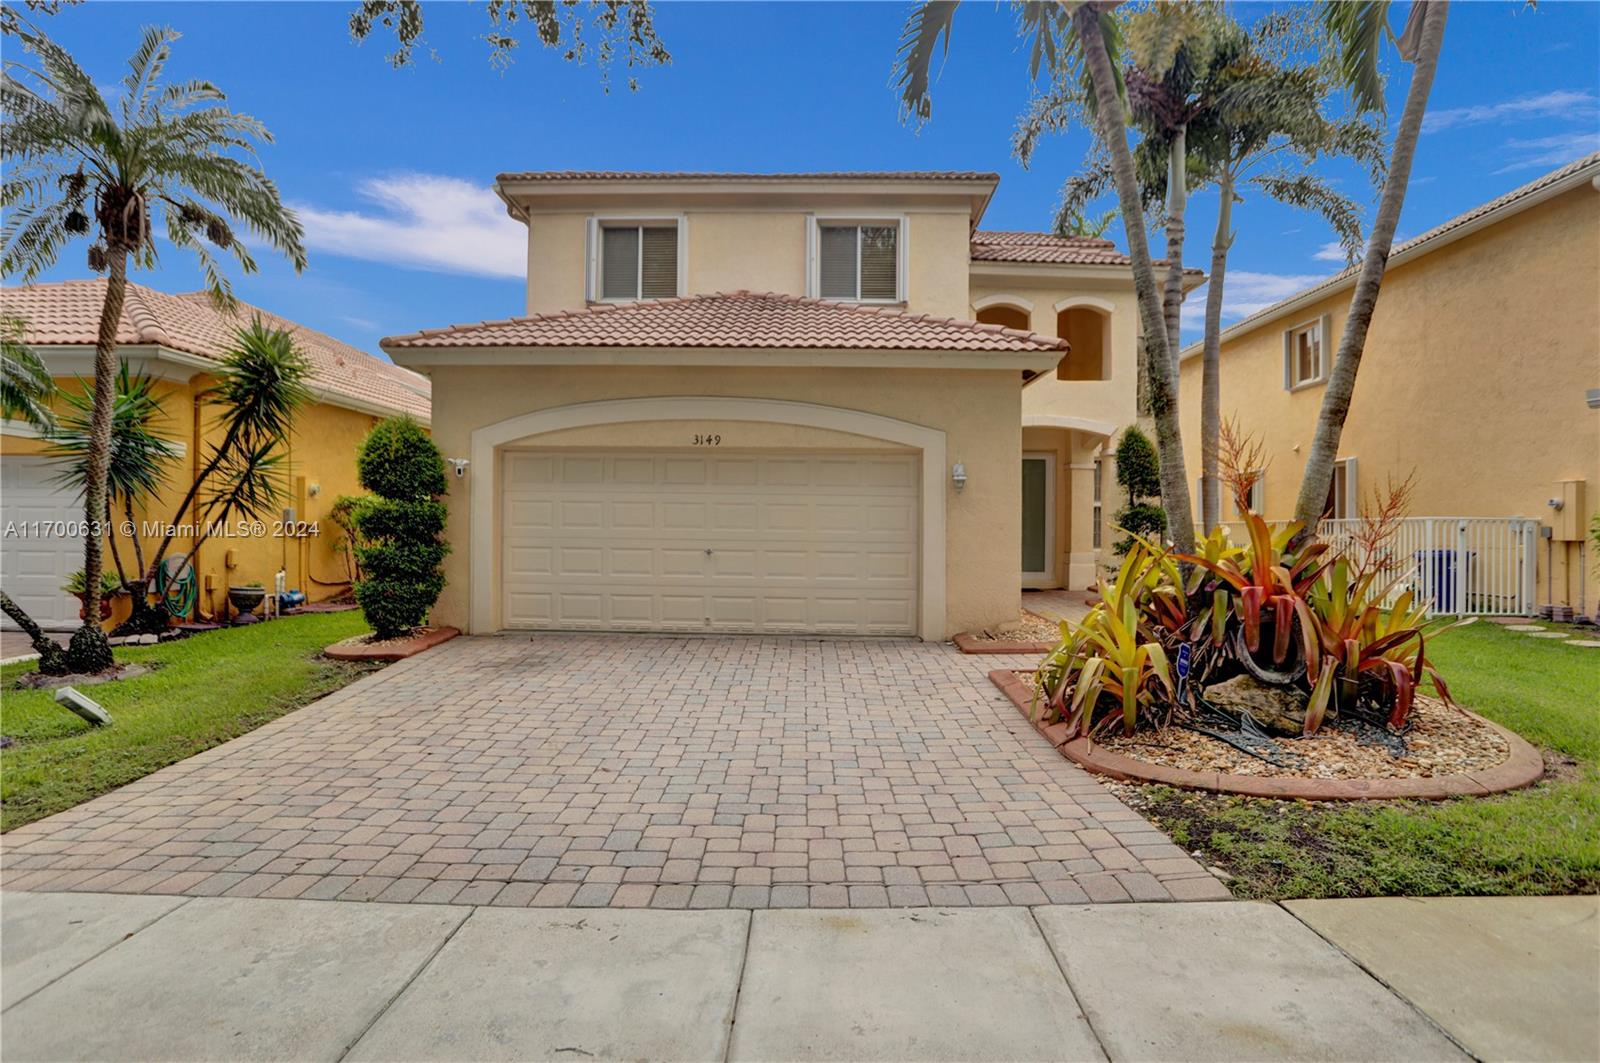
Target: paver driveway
629,771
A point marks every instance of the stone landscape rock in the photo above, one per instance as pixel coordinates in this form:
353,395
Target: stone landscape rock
1281,710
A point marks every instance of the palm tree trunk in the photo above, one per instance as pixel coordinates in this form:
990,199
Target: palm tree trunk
89,651
52,661
1211,360
1177,210
1163,404
1318,475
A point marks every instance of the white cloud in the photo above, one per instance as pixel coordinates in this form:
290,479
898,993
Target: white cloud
424,221
1332,251
1245,292
1550,151
1560,103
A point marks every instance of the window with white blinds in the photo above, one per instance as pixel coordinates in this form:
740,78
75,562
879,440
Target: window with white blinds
638,261
858,263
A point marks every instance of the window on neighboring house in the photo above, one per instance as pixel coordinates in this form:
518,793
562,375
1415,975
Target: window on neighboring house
1258,495
1343,499
1305,356
1099,467
859,263
638,261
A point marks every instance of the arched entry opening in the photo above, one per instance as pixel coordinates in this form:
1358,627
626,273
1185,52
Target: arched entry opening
1086,325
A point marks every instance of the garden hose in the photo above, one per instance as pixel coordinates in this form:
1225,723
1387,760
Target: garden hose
177,592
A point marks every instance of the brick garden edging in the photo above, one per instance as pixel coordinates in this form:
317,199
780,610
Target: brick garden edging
967,642
397,650
1522,768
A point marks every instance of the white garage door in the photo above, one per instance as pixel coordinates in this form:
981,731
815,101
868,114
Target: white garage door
35,557
741,542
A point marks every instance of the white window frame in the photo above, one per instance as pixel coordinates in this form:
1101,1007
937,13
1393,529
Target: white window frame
1258,496
591,282
1099,502
1322,325
1351,502
814,226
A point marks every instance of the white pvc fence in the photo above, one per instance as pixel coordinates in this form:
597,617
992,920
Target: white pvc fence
1462,565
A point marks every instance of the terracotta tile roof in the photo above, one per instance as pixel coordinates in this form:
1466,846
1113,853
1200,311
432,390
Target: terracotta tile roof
690,175
68,314
1513,201
998,246
735,319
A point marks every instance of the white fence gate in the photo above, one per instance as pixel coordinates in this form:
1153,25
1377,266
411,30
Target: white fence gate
1461,565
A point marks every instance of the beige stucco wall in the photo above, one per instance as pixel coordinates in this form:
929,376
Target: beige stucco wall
756,250
1474,377
978,410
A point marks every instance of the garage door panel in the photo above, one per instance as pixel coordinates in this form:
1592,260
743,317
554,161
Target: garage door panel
733,542
36,559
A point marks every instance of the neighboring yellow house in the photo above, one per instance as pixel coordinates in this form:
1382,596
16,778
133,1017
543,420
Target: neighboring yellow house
761,403
177,340
1481,375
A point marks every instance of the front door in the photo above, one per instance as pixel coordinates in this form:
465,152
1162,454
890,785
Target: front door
1038,519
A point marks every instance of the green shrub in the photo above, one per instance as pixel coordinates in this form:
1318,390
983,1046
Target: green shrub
1144,519
398,547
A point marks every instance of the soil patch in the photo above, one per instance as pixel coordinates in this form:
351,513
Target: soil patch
40,681
1441,741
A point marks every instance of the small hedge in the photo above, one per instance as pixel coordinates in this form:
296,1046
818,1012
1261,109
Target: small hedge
401,548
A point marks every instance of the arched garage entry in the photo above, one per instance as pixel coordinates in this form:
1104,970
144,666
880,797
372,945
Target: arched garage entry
485,606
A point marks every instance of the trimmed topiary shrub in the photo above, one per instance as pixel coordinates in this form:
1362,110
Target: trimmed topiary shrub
1139,474
400,549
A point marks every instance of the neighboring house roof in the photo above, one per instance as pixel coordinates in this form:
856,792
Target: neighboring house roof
67,313
1048,248
1554,183
735,320
691,175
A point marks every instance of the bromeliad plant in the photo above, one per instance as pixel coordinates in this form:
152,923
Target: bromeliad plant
1359,653
1111,659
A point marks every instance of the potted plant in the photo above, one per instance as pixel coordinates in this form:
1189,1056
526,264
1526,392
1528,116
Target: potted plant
78,588
247,597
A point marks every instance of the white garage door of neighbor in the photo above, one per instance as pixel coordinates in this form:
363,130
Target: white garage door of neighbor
35,558
730,542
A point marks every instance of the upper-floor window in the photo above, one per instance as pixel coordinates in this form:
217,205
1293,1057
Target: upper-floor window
635,260
858,262
1305,355
1343,494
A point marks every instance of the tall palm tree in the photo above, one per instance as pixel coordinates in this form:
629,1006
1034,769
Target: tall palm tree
1358,28
75,168
1082,34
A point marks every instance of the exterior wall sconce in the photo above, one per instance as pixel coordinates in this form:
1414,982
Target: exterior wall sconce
958,475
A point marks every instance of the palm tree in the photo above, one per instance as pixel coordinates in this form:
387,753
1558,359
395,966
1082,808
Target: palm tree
1081,34
1358,29
25,384
74,168
1268,108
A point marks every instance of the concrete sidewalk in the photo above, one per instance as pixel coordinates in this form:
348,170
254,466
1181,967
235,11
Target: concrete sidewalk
97,976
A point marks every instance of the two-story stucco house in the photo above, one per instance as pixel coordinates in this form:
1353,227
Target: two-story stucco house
796,403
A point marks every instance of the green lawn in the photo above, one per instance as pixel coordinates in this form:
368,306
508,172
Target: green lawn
1545,839
203,691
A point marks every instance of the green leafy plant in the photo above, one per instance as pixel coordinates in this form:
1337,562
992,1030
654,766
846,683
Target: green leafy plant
1108,659
345,513
78,583
401,548
1139,474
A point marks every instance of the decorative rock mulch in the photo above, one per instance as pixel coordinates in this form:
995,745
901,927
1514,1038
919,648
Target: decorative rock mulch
1456,768
1030,634
368,648
1441,741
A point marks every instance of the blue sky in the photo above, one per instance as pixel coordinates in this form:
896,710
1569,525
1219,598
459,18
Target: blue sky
391,168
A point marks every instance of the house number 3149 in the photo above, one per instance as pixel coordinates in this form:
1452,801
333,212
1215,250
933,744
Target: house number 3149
707,441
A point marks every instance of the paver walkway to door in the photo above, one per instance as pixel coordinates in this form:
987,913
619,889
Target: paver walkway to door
629,771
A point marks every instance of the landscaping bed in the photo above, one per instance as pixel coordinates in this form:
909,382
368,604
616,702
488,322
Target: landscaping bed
1031,633
1544,839
369,647
200,692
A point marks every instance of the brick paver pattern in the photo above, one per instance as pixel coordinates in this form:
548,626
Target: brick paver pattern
629,771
